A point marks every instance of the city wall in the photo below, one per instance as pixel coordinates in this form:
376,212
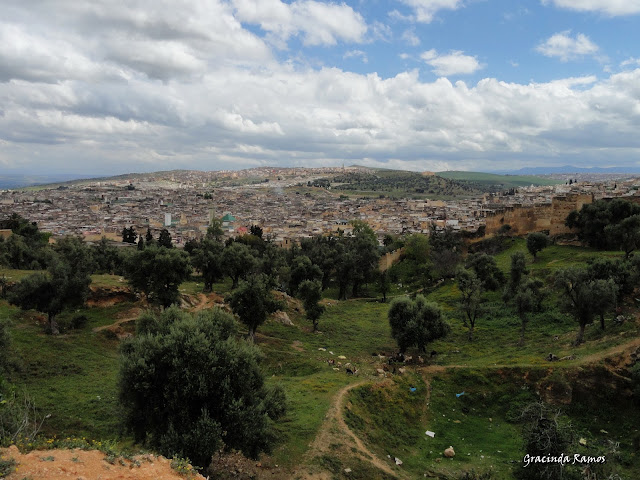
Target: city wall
388,259
536,218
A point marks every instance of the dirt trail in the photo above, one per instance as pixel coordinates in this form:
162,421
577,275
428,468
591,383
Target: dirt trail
204,302
617,350
130,316
335,430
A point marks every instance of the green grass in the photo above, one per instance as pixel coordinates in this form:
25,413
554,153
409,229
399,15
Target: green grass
73,377
481,179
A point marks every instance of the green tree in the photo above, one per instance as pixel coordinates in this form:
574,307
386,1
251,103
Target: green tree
446,246
310,291
207,258
536,242
604,292
253,302
593,219
487,270
158,272
625,235
106,257
471,298
164,240
416,248
129,235
65,285
215,231
302,269
238,261
149,236
365,255
577,297
256,231
528,299
517,271
188,386
416,322
384,284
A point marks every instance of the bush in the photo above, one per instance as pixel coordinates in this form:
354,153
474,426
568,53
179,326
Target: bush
189,386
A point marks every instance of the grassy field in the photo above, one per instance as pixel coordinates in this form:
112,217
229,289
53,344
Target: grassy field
73,377
485,180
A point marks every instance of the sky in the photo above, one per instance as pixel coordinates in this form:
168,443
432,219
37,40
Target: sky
117,86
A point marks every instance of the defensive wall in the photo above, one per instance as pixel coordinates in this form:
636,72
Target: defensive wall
389,259
536,218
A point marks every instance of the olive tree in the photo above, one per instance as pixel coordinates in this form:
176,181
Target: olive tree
416,322
189,386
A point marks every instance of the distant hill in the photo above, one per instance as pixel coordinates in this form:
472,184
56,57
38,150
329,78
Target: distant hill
400,183
19,181
567,169
494,182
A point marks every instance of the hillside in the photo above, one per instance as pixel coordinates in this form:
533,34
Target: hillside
398,183
469,394
495,183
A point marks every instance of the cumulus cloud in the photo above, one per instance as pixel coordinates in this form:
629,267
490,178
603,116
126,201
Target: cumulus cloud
608,7
410,37
319,23
453,63
196,89
566,48
425,10
356,53
631,62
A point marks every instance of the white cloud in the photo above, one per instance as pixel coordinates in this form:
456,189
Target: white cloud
631,62
425,10
319,23
195,89
410,37
356,53
608,7
454,63
566,48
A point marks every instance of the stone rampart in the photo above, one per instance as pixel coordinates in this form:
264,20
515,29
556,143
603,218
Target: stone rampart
536,218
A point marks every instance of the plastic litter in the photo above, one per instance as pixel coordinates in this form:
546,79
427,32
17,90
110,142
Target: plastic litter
459,394
430,433
398,461
413,389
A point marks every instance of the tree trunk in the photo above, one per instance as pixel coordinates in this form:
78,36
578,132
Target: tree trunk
471,333
235,279
354,291
580,337
252,334
53,325
602,321
522,329
343,292
315,325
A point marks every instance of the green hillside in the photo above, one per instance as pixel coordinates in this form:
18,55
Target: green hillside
495,182
372,423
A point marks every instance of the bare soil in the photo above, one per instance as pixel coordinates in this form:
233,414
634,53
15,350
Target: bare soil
88,465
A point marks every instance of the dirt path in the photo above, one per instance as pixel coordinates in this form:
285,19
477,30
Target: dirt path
335,430
617,350
130,316
204,302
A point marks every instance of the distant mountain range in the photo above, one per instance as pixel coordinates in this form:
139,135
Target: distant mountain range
20,181
566,169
